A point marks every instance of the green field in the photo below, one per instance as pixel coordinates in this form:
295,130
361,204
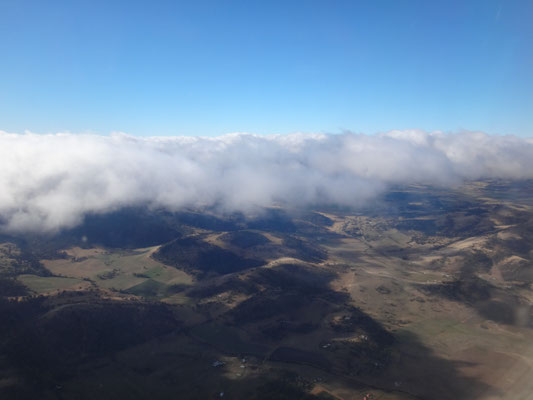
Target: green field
45,284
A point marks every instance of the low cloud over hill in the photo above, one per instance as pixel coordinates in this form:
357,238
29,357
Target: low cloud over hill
48,182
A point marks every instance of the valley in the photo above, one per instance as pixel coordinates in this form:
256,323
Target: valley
426,293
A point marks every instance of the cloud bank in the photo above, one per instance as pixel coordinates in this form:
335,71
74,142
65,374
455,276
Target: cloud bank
49,182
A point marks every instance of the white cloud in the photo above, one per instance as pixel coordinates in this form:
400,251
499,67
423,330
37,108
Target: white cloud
49,182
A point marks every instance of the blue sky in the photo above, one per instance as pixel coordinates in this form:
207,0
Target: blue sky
213,67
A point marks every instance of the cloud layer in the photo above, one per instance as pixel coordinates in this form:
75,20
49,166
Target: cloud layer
49,182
